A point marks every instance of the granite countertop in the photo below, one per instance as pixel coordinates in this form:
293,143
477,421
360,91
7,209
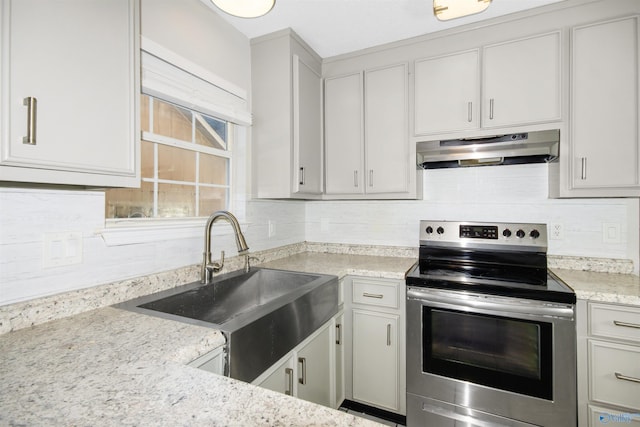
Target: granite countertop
602,287
114,367
344,264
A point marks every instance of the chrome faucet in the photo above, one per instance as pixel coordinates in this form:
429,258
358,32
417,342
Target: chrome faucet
209,267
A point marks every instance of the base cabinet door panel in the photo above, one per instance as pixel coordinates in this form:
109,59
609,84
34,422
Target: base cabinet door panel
314,366
281,379
376,358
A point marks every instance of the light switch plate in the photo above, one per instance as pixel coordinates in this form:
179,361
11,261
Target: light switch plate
611,232
62,249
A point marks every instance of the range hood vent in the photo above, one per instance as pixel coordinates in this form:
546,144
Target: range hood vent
516,148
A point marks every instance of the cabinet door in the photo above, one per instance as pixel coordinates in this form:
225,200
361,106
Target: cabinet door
604,104
314,369
376,360
279,378
339,355
343,134
447,93
386,130
78,61
307,128
521,82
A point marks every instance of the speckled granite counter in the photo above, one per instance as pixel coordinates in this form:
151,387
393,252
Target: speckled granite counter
344,264
110,367
602,287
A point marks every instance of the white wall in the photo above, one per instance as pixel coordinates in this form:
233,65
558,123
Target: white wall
516,193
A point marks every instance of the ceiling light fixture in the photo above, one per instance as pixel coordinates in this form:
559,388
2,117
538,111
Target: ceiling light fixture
450,9
245,8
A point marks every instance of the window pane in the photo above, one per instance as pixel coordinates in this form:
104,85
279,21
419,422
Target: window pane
130,202
144,113
211,132
171,120
176,164
176,201
212,199
213,169
146,154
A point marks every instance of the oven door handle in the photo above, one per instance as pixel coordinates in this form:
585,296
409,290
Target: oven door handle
464,301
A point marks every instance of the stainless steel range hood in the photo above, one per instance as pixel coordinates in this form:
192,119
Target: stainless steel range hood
528,147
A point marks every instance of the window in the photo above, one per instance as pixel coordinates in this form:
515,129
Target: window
185,165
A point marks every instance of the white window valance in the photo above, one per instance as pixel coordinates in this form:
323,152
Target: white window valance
169,76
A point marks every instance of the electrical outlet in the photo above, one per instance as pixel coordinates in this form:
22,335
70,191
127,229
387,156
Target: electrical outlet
272,228
556,231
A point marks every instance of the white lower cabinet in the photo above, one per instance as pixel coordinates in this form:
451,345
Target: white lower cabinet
608,364
309,370
211,362
375,365
376,359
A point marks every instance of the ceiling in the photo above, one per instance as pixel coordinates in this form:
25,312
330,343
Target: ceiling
334,27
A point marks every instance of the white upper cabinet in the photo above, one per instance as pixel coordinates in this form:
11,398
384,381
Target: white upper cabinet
521,82
447,93
343,134
70,90
386,127
604,151
287,117
368,151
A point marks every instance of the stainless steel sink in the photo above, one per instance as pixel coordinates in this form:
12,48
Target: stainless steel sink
263,313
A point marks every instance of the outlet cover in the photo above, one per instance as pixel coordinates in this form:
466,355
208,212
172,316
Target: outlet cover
556,231
611,232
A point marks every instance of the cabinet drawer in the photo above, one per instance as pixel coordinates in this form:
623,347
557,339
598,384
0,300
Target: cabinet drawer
599,416
375,292
614,374
611,321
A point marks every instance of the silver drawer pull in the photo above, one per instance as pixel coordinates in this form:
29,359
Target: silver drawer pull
338,334
583,173
368,295
289,373
303,379
626,325
626,378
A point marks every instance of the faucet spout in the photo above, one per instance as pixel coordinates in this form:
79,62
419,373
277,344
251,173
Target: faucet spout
209,267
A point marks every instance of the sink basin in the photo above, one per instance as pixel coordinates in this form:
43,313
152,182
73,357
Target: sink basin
263,313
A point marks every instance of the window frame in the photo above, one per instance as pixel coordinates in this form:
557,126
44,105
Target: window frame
172,78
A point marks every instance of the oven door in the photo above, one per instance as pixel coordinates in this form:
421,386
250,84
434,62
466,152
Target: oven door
504,356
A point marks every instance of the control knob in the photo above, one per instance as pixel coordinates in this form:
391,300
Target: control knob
429,230
534,234
440,230
520,233
506,232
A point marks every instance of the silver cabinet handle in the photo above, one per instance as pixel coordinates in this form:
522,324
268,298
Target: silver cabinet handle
626,378
626,325
301,176
289,373
370,177
368,295
469,111
32,108
303,379
355,179
491,109
338,334
389,334
583,174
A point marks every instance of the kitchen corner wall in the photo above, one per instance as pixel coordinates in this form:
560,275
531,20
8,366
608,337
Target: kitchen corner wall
516,193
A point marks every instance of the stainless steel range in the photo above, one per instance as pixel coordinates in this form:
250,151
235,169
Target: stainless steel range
491,337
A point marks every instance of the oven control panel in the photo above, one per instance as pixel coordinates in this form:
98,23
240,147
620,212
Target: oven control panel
456,232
